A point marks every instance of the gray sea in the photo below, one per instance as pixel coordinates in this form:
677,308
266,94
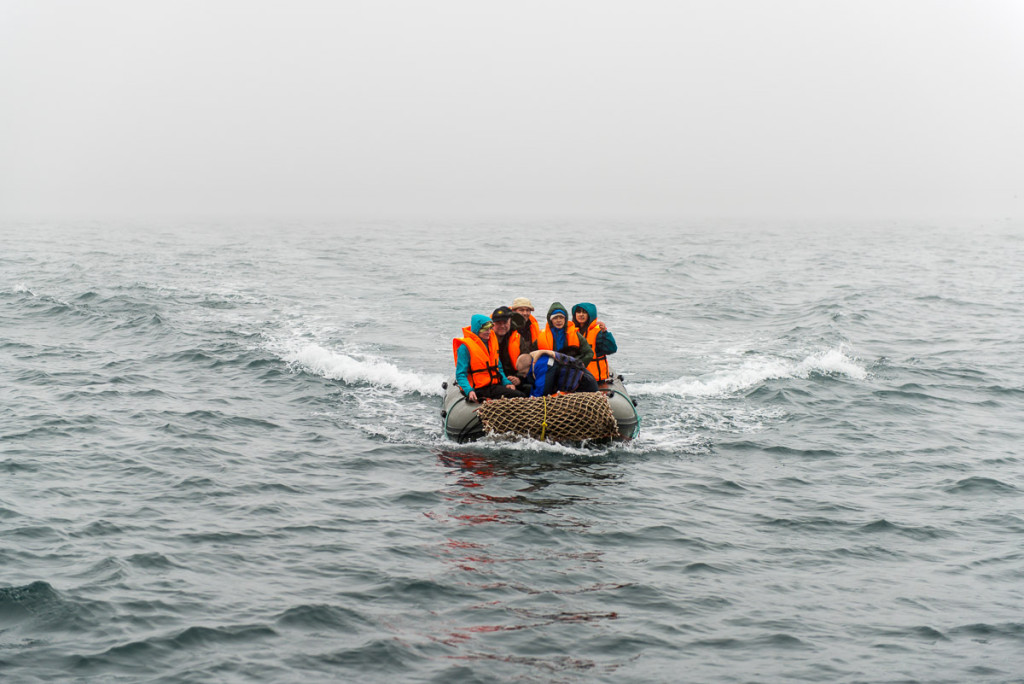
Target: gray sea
221,456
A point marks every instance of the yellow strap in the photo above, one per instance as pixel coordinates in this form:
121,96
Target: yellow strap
544,423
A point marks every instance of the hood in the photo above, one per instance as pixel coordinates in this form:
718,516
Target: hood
555,307
477,321
589,308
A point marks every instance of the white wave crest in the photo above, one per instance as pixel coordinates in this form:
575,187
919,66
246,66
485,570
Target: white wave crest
755,371
359,369
831,362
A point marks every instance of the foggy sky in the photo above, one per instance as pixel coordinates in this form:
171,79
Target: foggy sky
787,108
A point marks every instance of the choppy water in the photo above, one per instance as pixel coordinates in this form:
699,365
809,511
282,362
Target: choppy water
222,457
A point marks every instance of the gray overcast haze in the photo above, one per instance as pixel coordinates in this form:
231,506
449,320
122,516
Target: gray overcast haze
469,108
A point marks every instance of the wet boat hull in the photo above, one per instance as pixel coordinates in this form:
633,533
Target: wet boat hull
461,423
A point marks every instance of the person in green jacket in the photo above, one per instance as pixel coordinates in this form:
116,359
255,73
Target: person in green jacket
561,335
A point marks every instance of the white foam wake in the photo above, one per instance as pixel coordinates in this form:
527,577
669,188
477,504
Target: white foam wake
359,369
755,371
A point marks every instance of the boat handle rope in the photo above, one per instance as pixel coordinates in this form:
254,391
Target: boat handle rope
544,423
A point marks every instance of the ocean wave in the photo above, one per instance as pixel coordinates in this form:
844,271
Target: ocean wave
755,371
26,600
39,607
190,639
357,369
322,616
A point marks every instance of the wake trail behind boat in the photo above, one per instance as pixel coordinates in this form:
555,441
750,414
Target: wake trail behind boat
358,369
753,372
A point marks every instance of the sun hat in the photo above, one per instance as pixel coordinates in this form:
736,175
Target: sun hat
520,302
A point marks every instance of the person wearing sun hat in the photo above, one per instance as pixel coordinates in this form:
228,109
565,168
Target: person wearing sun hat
526,325
477,367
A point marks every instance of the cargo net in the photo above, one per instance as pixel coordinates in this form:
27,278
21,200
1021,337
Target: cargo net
567,418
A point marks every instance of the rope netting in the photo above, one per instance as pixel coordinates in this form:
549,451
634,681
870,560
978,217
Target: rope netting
567,418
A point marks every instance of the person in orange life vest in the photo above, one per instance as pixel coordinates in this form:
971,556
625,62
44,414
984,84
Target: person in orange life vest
477,368
596,332
562,336
526,325
508,341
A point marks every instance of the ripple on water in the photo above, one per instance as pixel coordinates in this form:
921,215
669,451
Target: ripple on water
148,655
1013,631
382,656
770,641
108,570
920,533
981,486
46,533
323,616
152,560
100,528
895,637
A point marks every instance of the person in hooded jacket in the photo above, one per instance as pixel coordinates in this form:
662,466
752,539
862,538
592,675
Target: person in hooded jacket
600,339
561,335
477,367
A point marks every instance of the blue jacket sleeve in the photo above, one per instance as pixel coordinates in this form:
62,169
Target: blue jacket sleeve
605,343
462,370
540,370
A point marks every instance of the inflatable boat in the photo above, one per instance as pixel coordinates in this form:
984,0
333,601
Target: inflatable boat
606,415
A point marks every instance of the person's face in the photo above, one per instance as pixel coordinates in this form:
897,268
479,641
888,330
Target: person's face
501,327
485,331
581,317
523,311
558,320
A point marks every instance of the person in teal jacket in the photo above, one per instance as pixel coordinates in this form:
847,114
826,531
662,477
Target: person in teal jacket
481,326
597,334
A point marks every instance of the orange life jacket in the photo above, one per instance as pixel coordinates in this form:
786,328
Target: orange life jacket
514,339
599,366
484,367
534,328
516,347
547,341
